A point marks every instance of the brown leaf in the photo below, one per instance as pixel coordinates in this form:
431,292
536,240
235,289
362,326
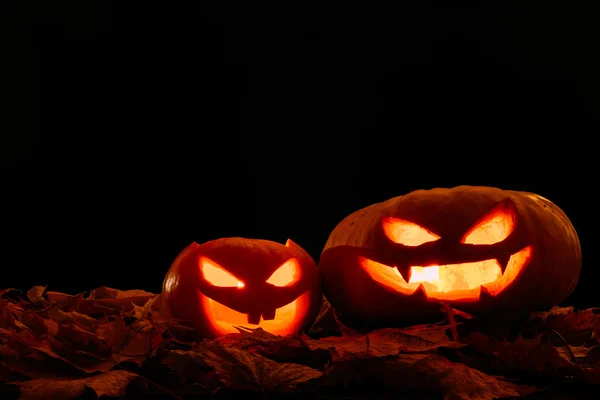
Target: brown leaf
242,369
247,337
85,361
117,304
458,381
75,348
72,317
150,309
80,304
49,336
110,293
592,357
10,292
36,296
191,368
181,333
535,357
34,364
111,384
423,373
117,331
385,342
27,319
291,348
136,348
102,301
590,375
346,330
8,374
60,298
326,323
82,340
575,326
574,353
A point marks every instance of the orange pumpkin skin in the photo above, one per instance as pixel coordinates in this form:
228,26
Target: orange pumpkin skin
235,281
450,231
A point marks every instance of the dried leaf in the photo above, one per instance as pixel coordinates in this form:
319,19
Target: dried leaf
72,317
110,293
80,304
240,369
59,298
151,310
111,384
8,374
458,381
101,301
290,348
346,330
35,295
575,326
191,368
422,373
57,340
326,323
592,357
247,337
385,342
34,364
574,353
534,357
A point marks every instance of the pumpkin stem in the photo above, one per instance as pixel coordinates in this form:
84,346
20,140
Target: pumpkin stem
451,320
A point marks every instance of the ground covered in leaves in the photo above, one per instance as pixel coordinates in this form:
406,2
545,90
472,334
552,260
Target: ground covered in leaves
116,344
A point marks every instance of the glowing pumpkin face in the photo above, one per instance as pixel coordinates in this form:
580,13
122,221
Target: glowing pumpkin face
478,248
231,282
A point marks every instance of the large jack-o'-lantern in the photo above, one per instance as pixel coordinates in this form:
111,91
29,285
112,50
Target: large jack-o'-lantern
480,249
231,282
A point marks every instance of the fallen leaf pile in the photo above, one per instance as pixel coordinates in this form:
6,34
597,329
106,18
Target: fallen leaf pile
116,344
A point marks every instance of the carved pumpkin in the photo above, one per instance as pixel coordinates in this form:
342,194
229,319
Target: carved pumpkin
480,249
231,282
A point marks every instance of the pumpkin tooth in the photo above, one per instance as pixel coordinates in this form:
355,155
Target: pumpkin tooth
254,318
269,315
485,295
405,272
419,294
503,262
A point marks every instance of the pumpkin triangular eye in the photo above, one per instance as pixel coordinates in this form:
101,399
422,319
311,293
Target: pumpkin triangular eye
494,226
286,274
217,275
406,233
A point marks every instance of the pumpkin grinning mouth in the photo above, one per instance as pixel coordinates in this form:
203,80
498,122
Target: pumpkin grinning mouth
272,320
464,281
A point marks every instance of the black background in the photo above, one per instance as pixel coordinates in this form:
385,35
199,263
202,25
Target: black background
131,129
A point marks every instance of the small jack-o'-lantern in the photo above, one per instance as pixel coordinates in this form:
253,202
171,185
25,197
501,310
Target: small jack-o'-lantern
480,249
231,282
